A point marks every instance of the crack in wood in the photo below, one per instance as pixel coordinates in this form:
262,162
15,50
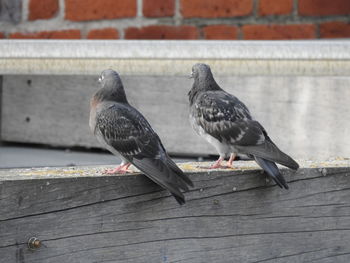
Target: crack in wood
286,256
77,207
196,238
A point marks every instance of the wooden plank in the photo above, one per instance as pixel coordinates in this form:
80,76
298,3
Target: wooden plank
229,215
300,113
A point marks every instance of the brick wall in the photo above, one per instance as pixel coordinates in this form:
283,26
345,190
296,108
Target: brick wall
175,19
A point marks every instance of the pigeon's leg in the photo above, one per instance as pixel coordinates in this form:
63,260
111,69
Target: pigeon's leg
121,169
230,161
217,164
124,169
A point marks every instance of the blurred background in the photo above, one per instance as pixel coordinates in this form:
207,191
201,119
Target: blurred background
44,115
174,19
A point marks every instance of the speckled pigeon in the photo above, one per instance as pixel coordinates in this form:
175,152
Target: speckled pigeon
225,122
126,133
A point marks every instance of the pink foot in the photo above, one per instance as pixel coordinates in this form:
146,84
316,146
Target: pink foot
121,169
230,161
216,165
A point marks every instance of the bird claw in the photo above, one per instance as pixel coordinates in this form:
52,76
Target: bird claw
217,166
230,165
121,169
214,166
115,171
111,171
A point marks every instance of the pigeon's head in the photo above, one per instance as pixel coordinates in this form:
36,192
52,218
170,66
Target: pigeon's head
203,79
108,75
111,86
200,71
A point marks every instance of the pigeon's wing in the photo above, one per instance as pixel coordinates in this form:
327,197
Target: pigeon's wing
124,129
228,120
266,149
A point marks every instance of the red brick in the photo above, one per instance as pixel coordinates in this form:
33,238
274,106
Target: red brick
158,8
162,32
42,9
105,33
324,7
217,8
78,10
274,32
220,32
2,35
275,7
64,34
335,30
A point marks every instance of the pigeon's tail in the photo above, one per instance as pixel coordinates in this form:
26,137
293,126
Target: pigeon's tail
272,170
269,151
165,173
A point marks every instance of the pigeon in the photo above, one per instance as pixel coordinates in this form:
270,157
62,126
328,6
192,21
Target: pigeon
126,133
226,123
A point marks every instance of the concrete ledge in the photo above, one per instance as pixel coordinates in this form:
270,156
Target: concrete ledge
86,57
296,89
232,214
175,49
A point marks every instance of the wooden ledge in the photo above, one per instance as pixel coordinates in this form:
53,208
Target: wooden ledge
80,215
189,167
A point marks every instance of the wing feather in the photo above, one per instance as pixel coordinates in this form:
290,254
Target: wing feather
227,119
128,132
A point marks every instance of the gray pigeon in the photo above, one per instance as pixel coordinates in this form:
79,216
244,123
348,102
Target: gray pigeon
225,122
127,134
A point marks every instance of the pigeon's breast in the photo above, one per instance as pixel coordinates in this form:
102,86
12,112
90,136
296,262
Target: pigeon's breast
93,108
222,148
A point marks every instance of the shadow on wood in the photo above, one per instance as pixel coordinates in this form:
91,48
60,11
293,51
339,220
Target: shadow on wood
230,216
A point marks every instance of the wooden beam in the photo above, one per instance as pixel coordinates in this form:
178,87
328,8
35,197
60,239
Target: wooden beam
81,215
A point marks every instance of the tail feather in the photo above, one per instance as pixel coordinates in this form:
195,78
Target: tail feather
180,200
272,170
164,175
179,172
269,151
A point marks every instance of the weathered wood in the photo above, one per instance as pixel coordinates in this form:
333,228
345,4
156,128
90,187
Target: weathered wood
305,116
230,216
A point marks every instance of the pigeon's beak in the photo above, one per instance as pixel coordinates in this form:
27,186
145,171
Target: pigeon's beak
99,79
191,76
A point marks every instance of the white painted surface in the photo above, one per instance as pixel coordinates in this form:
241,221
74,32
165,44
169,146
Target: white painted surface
175,49
146,57
307,117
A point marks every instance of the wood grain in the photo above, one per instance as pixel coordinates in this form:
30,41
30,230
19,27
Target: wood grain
230,216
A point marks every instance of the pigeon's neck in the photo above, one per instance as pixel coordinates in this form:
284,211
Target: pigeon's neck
107,93
201,85
206,83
